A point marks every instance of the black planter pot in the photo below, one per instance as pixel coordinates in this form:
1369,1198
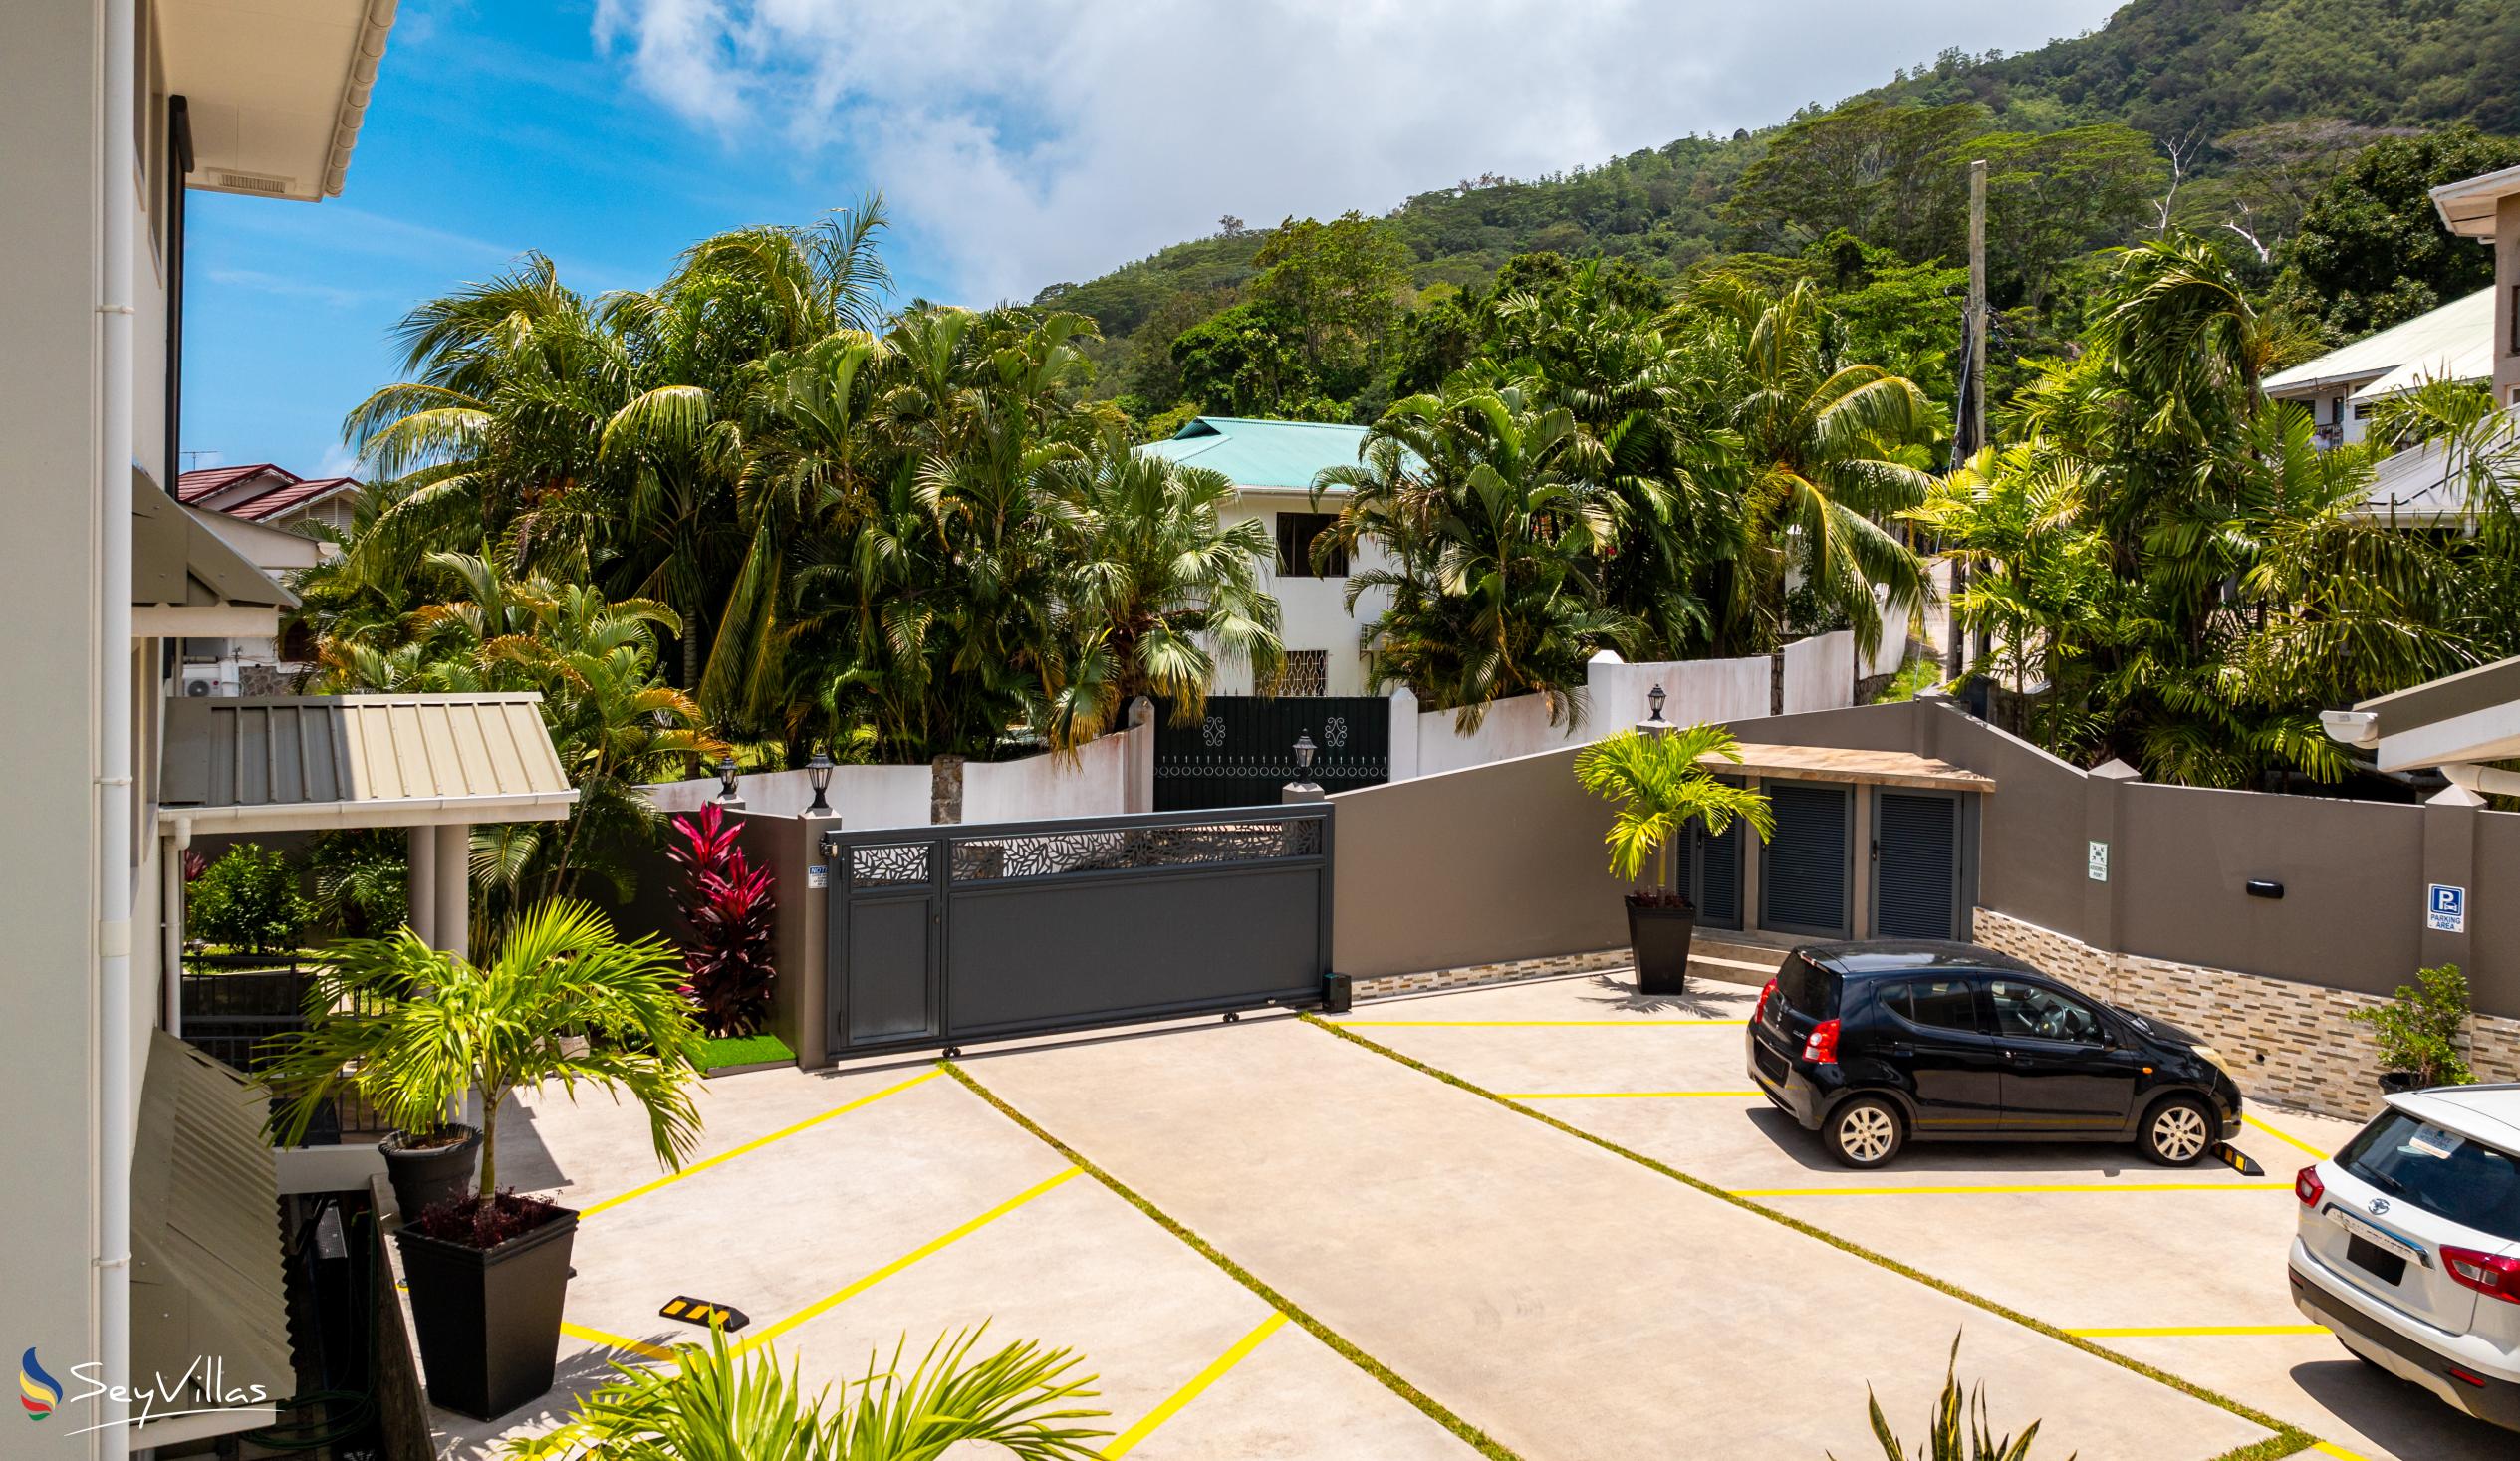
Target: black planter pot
425,1176
488,1320
2399,1082
1658,937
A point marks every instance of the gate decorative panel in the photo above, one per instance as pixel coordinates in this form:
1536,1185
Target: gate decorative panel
1241,752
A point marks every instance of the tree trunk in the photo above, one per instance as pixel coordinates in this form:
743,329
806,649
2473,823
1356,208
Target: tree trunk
489,1143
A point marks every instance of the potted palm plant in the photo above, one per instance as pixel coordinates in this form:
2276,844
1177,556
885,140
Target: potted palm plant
1663,786
412,1029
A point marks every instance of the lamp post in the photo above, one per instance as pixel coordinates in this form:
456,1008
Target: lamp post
818,773
726,797
1303,788
1653,724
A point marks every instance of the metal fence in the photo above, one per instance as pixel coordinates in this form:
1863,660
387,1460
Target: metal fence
233,1004
1241,751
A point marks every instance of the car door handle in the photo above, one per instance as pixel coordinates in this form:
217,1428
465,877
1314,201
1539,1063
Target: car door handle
1898,1047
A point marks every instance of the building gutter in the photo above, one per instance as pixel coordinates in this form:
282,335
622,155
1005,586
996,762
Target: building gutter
116,1081
389,811
366,54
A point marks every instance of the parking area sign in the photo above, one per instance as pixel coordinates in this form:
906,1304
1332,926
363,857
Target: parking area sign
2445,908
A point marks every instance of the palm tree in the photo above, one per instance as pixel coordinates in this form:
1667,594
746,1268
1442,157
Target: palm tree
719,1402
1156,590
1663,786
1826,451
413,1029
1500,548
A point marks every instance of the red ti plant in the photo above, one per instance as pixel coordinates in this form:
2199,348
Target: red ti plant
727,904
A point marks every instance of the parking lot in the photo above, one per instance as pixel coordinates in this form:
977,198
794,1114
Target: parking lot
2181,1269
843,1212
1562,1299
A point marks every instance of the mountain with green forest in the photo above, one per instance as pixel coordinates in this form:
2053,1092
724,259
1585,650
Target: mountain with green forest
2223,117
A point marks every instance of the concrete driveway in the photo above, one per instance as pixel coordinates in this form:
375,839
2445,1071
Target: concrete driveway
2181,1269
843,1212
1567,1301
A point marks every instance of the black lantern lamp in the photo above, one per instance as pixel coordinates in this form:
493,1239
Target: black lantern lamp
726,779
1303,752
818,772
1303,788
1653,724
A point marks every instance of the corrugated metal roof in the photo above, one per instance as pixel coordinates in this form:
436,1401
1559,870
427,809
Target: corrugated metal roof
1255,453
2432,335
278,761
207,1282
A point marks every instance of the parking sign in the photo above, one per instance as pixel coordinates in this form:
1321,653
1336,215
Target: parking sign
2445,908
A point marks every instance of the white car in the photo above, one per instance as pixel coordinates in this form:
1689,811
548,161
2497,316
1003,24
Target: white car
2409,1245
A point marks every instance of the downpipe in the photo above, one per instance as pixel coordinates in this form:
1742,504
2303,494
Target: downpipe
116,1077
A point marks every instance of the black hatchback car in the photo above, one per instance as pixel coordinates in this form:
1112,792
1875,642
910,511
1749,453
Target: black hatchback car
1872,1044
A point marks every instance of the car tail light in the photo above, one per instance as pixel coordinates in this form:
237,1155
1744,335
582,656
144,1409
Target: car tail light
1820,1048
1764,996
2492,1275
2308,1187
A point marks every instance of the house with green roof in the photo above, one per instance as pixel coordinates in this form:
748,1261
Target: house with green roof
1272,465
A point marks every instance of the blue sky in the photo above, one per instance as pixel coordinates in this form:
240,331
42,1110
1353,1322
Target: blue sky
1018,142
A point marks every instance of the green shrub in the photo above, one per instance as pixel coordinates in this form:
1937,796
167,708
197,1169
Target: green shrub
2421,1030
360,882
248,899
1960,1431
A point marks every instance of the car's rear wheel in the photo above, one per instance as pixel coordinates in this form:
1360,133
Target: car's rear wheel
2178,1131
1866,1132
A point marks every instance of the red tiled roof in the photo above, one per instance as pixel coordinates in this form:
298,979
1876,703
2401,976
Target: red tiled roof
194,485
280,499
292,491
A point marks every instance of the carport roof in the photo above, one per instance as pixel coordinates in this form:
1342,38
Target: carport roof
1858,768
270,763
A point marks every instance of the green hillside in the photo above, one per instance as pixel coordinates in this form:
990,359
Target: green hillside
2236,111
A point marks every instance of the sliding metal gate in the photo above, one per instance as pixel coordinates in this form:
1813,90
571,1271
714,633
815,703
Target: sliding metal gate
939,935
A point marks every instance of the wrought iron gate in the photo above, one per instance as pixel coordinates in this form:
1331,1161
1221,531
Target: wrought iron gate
1241,751
939,935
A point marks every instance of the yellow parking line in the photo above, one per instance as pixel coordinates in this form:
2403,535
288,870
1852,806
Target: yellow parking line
697,1167
2184,1330
1513,1023
2329,1448
639,1348
1991,1187
832,1300
1241,1350
1620,1094
2286,1140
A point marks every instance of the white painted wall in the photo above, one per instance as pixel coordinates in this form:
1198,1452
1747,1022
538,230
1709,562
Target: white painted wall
1429,743
1110,776
1820,672
1891,652
1315,614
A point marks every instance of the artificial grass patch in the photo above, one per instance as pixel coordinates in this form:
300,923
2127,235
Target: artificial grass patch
724,1050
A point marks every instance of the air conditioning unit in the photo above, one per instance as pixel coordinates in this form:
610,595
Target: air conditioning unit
208,679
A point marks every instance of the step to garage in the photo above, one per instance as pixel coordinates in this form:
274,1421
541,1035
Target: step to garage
1734,959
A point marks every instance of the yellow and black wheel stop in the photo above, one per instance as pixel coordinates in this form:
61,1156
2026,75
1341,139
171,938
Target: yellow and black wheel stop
706,1313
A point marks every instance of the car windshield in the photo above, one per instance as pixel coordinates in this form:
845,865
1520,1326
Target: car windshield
2442,1172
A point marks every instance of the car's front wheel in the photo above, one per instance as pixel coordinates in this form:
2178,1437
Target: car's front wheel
2178,1131
1866,1132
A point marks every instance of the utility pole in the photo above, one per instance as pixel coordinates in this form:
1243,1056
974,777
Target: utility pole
1972,427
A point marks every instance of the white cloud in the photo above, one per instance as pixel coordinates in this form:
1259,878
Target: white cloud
1024,142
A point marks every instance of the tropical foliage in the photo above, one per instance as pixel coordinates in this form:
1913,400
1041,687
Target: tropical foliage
1663,787
2178,569
1961,1430
727,907
249,900
721,1403
414,1029
775,506
2424,1030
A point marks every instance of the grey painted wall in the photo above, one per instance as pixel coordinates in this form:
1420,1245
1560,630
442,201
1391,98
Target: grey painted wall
1504,861
1475,867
